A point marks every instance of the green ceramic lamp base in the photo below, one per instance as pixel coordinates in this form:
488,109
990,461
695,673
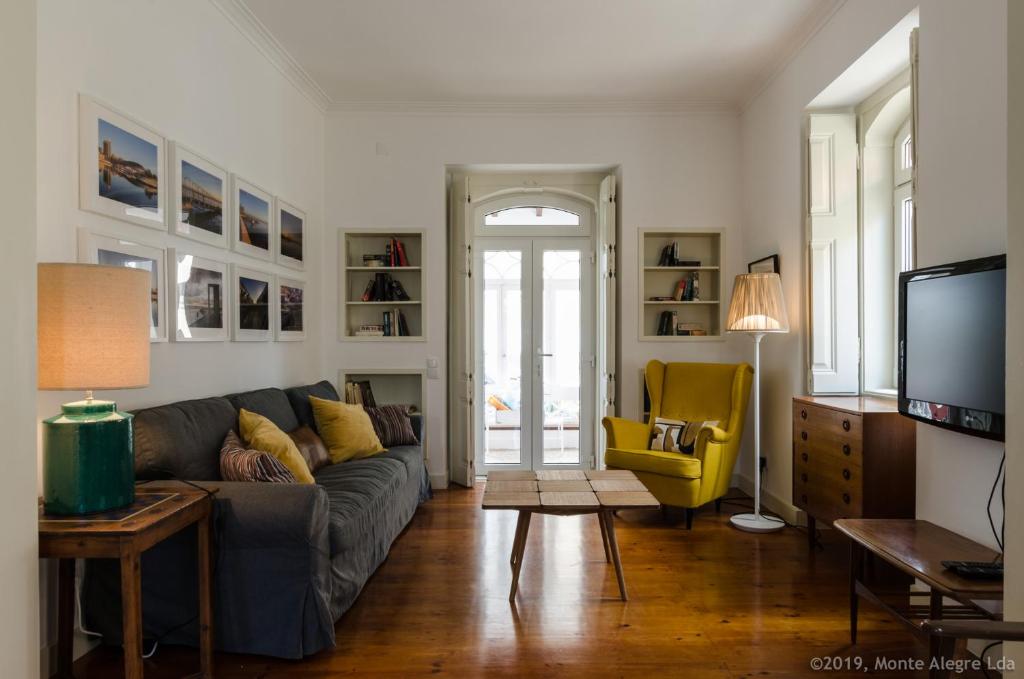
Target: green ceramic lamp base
88,459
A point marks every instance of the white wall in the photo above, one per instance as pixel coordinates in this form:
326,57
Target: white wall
183,69
962,207
677,171
19,569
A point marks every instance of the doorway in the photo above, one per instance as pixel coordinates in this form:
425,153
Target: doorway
534,333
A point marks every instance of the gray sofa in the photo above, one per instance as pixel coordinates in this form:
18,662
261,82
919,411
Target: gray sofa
290,559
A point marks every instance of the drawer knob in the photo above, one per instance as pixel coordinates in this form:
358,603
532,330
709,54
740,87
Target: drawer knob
803,477
846,474
846,425
803,414
846,498
846,449
803,456
803,435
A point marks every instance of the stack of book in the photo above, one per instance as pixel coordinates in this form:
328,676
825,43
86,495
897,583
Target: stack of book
370,330
690,330
688,288
670,257
394,253
384,288
374,260
667,322
394,324
360,393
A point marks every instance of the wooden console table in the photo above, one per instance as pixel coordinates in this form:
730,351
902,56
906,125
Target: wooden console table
917,548
159,511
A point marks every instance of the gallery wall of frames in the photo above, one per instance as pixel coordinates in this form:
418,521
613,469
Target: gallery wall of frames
132,173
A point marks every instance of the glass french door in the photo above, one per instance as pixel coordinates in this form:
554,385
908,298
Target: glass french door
534,340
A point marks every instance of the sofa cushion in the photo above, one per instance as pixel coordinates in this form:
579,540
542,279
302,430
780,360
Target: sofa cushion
311,447
345,429
360,493
260,433
182,440
654,461
238,463
393,425
298,397
270,403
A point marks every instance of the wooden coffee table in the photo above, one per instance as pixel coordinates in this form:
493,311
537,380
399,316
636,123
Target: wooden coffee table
566,493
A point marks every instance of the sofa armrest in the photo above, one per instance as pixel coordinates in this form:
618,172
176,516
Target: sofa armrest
626,434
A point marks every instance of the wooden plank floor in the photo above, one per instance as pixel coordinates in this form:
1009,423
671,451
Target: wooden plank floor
712,602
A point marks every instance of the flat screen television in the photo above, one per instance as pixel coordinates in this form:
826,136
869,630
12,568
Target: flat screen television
951,352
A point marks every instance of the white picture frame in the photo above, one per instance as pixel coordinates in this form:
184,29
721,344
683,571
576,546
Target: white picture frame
253,205
289,327
285,247
247,318
121,166
95,248
196,186
191,319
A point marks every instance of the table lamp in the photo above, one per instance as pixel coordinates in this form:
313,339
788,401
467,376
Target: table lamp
757,308
93,333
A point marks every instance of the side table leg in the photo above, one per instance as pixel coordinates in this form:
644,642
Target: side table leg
812,530
856,568
205,599
131,613
517,566
609,525
604,538
65,618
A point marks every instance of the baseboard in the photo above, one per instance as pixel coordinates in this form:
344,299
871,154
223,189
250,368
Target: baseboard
47,661
771,502
439,481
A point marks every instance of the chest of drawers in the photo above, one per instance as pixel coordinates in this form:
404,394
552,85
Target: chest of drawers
853,457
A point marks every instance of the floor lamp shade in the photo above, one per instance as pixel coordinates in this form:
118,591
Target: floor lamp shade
757,304
757,308
93,333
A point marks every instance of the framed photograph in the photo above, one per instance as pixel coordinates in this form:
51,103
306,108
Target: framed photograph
199,197
769,264
120,166
253,221
291,235
94,248
199,290
251,319
290,298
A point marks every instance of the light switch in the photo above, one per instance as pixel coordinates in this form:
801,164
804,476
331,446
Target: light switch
433,371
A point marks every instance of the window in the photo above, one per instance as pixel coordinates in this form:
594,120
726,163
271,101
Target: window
532,216
906,153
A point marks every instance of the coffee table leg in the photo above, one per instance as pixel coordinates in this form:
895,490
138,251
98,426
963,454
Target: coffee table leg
518,555
609,524
515,541
604,538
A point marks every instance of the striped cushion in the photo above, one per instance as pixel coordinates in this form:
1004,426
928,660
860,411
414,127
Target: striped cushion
392,425
237,463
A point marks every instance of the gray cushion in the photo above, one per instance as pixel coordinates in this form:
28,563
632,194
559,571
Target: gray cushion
182,440
298,397
360,494
270,403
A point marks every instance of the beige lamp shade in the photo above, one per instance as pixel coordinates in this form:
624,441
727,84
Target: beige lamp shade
757,304
93,326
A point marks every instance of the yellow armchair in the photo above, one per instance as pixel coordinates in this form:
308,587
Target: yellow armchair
694,392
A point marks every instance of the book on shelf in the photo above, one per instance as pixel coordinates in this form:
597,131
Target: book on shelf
369,330
395,324
690,330
385,288
687,289
370,291
360,393
670,256
662,298
374,260
402,259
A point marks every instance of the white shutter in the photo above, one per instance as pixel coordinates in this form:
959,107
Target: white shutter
461,440
832,254
606,283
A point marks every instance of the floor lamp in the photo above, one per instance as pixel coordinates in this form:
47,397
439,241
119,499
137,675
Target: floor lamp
757,308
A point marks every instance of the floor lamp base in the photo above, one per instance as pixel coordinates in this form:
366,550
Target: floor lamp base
757,523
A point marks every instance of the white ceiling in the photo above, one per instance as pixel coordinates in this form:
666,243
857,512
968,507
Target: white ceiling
535,52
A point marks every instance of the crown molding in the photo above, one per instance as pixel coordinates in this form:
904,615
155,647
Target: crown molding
483,107
239,14
802,36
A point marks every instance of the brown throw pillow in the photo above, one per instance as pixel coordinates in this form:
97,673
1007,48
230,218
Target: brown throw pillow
237,463
311,447
393,426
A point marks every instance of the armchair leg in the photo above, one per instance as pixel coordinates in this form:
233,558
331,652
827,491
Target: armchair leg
689,519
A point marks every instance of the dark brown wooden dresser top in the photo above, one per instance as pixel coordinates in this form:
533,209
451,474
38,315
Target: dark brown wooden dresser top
852,404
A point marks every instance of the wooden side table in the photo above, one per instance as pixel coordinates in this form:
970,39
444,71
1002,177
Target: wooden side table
159,511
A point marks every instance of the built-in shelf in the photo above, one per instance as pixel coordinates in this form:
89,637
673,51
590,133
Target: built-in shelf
704,312
354,312
392,386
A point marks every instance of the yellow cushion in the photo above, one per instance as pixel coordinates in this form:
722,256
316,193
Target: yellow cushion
345,429
262,434
654,461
